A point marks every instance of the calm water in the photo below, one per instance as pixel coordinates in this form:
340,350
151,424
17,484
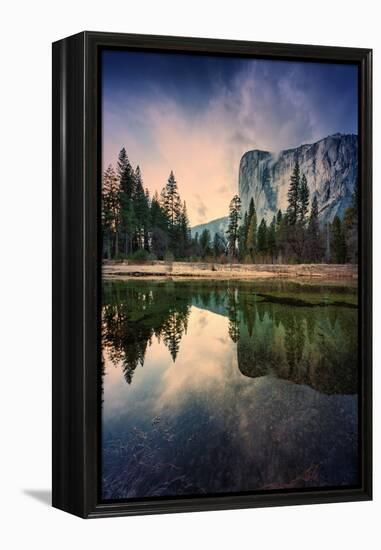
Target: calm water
223,387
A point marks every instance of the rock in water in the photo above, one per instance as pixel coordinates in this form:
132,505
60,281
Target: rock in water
330,166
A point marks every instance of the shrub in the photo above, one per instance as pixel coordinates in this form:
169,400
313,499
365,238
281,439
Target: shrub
142,256
120,257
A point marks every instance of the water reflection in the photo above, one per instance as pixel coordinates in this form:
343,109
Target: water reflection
133,314
244,386
307,341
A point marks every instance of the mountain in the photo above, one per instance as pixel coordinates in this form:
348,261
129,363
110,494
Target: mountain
215,226
330,166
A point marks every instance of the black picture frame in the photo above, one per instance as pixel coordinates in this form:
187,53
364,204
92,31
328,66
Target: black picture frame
76,271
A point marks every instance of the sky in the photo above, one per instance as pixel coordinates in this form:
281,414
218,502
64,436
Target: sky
197,115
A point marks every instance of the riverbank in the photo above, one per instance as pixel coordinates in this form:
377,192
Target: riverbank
203,270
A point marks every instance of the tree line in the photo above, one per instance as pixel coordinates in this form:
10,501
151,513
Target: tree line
136,225
141,227
163,312
296,235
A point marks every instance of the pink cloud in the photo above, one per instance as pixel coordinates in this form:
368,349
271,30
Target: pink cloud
204,149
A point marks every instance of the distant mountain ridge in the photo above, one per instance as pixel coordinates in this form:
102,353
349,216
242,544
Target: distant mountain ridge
219,225
330,166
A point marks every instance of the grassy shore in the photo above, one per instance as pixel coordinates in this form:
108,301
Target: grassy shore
189,270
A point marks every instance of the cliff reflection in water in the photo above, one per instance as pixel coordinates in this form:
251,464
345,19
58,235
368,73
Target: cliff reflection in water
185,421
305,342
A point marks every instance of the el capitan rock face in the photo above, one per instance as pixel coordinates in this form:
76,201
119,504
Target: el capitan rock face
330,166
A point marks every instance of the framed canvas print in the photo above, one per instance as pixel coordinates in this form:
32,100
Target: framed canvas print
211,274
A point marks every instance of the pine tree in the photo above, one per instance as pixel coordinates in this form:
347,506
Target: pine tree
294,234
159,228
251,237
314,248
127,187
338,246
196,245
251,208
205,244
171,204
304,198
219,245
184,232
350,229
158,216
293,196
262,244
171,201
141,211
242,237
232,232
281,230
271,239
147,221
126,175
122,161
279,218
110,210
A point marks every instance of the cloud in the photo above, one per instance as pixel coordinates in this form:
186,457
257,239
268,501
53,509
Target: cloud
255,110
201,208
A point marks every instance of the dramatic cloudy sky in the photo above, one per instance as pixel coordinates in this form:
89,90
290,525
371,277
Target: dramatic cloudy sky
197,116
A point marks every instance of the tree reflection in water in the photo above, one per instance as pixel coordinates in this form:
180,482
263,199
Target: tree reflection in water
306,335
133,314
247,386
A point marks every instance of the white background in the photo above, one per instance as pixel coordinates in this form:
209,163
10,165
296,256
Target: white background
27,30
